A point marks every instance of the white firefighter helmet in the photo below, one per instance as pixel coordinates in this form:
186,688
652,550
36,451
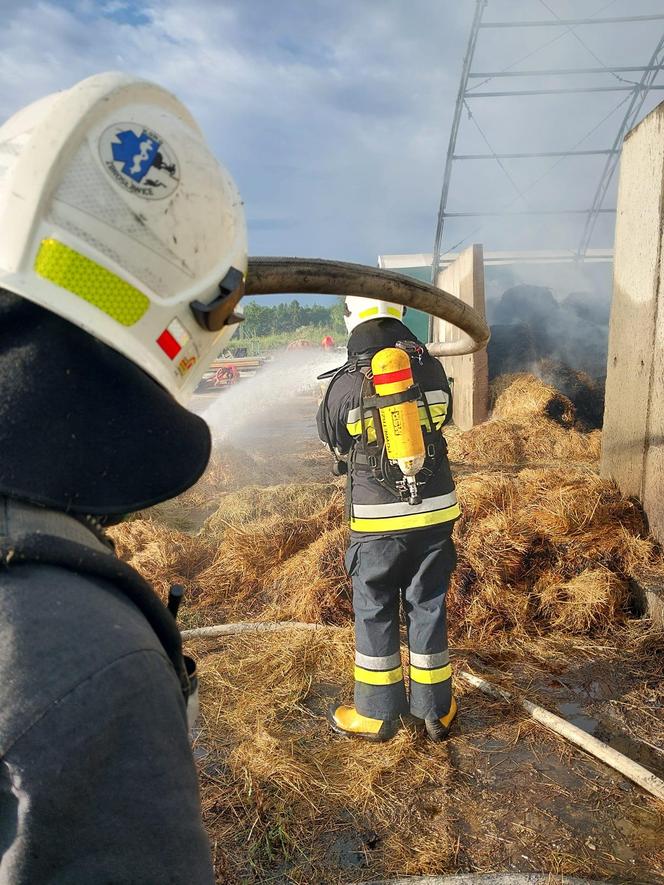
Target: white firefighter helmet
358,310
115,215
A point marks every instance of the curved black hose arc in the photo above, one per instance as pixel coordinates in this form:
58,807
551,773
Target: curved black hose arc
266,276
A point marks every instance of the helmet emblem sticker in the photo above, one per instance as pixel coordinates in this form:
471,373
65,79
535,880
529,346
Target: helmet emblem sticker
139,160
179,347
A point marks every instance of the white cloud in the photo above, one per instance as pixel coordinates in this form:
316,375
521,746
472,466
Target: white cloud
333,115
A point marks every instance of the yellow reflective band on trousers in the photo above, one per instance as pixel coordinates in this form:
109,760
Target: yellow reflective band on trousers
378,677
411,521
430,677
90,281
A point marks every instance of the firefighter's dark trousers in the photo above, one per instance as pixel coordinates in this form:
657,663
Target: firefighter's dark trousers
413,569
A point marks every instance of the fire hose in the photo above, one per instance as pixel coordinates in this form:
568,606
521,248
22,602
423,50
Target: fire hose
268,276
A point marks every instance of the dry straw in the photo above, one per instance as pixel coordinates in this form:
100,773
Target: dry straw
531,422
540,549
546,555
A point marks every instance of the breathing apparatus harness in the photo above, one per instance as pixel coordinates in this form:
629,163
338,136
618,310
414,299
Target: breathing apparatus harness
400,457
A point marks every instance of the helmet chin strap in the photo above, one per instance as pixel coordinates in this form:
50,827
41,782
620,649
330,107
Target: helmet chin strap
322,277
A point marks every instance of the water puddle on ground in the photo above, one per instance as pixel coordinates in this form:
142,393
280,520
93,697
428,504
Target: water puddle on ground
617,740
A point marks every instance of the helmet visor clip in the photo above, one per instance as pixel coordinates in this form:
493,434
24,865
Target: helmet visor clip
220,311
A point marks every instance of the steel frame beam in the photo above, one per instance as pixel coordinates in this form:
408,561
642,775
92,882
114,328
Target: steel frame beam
639,92
572,22
628,122
529,156
447,175
502,212
622,69
562,90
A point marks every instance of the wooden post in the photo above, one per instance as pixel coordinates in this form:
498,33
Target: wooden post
465,279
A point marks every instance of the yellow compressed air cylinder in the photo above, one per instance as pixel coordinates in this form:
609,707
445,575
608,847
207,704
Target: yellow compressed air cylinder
401,423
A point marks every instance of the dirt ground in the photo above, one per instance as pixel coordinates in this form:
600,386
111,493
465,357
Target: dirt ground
285,800
503,794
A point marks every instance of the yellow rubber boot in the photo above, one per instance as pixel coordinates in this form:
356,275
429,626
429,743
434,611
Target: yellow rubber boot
347,721
439,729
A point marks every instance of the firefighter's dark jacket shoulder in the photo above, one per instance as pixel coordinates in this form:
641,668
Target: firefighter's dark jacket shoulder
97,780
373,509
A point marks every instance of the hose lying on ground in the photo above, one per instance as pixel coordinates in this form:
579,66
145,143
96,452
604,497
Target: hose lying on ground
619,762
487,879
249,627
587,742
267,276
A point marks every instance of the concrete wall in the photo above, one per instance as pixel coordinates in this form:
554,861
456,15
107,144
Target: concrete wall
633,435
465,279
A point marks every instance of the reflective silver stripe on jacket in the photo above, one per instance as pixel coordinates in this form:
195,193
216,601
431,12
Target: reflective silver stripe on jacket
430,662
401,508
386,662
354,415
437,396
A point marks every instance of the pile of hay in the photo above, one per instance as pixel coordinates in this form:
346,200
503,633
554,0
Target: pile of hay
545,551
586,393
231,470
540,552
246,571
532,422
273,552
287,500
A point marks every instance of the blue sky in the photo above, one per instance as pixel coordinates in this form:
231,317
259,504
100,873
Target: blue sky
334,115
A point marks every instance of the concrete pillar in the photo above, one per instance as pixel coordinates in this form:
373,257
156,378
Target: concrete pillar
465,279
633,435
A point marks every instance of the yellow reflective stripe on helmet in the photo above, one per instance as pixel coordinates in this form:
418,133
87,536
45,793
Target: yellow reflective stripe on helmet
430,677
372,311
395,523
378,677
90,281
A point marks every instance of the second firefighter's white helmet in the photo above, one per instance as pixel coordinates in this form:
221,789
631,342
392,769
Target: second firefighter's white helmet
358,310
115,215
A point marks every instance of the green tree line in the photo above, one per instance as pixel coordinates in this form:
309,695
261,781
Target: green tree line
290,316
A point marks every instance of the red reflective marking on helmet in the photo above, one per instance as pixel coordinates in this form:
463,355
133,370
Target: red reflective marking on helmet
169,345
391,377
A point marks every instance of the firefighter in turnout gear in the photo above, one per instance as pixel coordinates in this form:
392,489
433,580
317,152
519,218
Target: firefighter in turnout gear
383,416
122,256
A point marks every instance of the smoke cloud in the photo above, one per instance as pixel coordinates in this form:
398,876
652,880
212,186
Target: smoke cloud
531,321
